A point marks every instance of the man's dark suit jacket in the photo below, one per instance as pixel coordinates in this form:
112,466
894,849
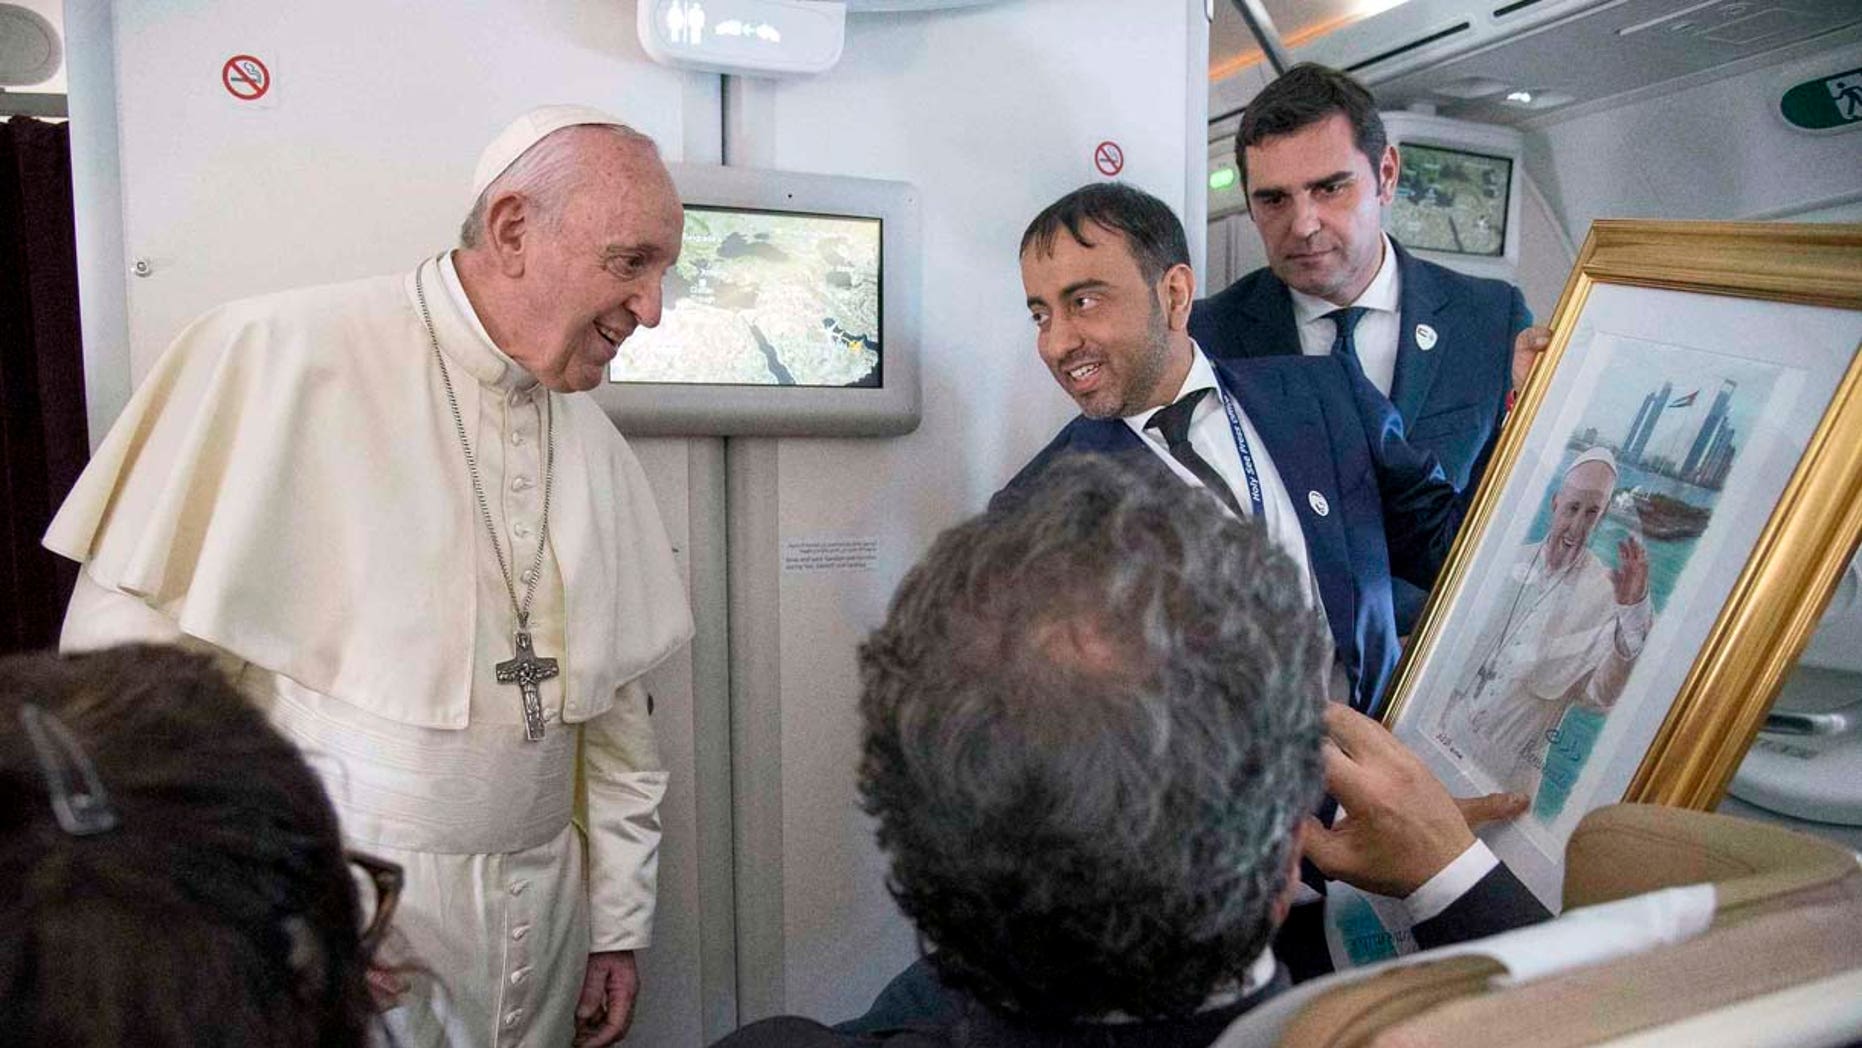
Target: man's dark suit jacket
1451,397
917,1011
1368,502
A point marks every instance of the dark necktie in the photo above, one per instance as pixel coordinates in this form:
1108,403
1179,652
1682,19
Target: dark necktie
1174,423
1346,321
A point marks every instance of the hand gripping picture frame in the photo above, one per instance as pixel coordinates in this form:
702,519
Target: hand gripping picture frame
1671,504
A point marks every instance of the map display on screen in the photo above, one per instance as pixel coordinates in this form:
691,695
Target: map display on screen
1450,200
765,298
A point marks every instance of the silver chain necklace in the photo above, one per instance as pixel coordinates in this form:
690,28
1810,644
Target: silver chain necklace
523,668
1489,669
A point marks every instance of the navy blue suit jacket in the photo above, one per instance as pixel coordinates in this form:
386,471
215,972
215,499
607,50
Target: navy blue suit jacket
1329,433
916,1009
1451,397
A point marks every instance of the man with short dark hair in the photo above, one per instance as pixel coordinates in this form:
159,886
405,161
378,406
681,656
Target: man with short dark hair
1304,445
1318,169
1093,727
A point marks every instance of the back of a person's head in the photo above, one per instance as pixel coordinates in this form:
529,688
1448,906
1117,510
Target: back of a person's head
201,899
1092,724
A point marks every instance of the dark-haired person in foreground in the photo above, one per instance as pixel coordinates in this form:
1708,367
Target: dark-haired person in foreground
173,872
1318,168
1093,729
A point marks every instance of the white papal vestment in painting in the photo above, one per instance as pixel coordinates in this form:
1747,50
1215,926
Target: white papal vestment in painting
287,488
1553,639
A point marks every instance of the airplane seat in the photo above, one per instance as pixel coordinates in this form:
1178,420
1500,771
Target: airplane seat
1679,927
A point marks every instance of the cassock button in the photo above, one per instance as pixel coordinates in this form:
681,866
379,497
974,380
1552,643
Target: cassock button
518,933
518,976
1318,503
512,1017
522,531
1425,337
529,575
517,887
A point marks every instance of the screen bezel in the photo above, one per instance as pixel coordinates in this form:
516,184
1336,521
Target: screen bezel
1466,136
1506,212
708,409
879,365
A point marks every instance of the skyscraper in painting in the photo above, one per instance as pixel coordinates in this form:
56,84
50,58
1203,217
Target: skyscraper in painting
1709,430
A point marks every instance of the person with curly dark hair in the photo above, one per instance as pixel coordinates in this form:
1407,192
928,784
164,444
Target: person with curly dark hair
173,871
1092,728
1093,732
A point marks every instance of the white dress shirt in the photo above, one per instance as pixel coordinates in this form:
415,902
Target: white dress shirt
1211,437
1451,882
1215,442
1375,338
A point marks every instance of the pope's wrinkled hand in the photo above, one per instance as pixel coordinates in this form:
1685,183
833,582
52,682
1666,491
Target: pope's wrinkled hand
1630,578
606,1007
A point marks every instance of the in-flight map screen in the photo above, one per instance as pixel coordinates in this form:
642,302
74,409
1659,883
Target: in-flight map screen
1451,200
765,298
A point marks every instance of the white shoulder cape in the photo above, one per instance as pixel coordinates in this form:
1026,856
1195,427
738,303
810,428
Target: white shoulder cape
287,485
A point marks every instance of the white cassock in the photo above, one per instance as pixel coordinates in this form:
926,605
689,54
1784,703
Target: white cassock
287,488
1552,640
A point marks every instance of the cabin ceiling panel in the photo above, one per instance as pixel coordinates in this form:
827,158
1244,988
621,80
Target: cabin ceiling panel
1612,50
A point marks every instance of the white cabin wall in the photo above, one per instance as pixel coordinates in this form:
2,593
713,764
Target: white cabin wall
992,113
1714,150
1546,253
359,158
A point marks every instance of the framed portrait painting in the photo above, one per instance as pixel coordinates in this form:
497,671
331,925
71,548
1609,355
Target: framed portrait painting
1670,506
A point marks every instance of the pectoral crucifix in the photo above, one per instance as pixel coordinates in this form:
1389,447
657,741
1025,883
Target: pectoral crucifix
527,671
1484,676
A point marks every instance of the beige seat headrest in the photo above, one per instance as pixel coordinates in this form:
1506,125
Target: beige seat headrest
1788,910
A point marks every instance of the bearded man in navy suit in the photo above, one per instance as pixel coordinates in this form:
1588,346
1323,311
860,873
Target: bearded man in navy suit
1304,444
1317,169
1305,447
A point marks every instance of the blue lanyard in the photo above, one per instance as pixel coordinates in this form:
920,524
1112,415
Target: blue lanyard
1256,506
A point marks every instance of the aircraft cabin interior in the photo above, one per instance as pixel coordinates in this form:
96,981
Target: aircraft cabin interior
846,365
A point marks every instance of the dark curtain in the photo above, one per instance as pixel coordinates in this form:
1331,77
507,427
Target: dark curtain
43,440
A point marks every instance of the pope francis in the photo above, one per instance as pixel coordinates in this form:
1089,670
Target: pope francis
437,568
1566,630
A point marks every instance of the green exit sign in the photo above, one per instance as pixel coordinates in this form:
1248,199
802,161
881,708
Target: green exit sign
1826,103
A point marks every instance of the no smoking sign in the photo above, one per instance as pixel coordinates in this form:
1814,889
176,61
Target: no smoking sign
1108,158
245,78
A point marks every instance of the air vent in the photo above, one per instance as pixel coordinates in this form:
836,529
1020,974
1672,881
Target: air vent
1728,21
1459,27
1517,5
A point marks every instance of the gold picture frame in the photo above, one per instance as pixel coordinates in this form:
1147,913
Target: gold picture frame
1650,295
